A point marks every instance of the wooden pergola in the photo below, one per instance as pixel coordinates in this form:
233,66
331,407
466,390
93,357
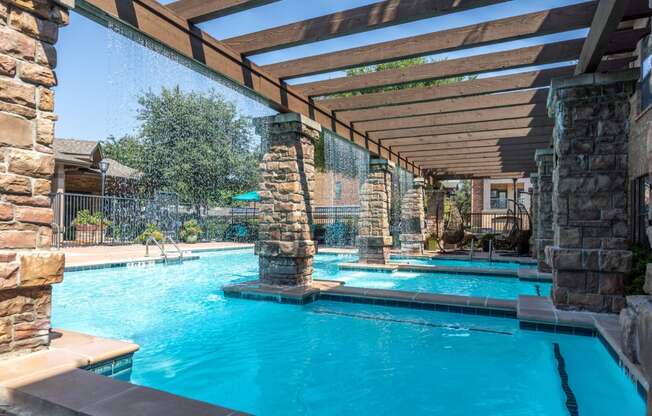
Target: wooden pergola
483,127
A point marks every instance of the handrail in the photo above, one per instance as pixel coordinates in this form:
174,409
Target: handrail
54,225
168,238
161,247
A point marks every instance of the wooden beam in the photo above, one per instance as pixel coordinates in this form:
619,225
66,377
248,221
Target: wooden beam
360,19
605,22
502,30
471,166
448,105
511,59
197,11
526,146
526,153
160,24
540,142
518,111
462,137
415,148
531,79
482,126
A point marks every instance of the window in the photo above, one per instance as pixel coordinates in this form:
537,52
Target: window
640,190
498,199
338,190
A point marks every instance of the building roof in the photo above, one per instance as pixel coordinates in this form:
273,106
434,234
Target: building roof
88,154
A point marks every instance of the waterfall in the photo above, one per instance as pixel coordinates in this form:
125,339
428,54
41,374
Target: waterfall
401,183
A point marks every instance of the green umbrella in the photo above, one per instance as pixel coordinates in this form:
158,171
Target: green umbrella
248,197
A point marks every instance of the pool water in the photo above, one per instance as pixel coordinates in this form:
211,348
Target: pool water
330,358
484,264
497,287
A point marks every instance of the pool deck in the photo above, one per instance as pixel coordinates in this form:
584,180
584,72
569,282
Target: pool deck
107,255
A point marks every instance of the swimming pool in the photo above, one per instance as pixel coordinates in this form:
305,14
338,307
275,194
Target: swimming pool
330,358
484,264
498,287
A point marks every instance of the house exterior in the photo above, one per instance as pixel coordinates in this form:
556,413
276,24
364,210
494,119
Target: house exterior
77,169
493,195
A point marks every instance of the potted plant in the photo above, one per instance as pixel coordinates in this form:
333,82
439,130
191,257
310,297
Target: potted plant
190,231
90,228
151,231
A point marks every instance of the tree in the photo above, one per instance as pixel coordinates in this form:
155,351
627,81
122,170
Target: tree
403,63
463,199
196,145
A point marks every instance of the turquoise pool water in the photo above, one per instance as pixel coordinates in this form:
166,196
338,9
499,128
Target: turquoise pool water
330,358
498,287
484,264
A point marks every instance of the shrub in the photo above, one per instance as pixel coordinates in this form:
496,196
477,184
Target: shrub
84,217
190,231
153,231
635,279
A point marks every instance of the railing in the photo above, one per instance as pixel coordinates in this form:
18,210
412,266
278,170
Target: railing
490,222
498,203
336,225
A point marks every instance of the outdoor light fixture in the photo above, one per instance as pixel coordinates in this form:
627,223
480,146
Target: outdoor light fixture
104,166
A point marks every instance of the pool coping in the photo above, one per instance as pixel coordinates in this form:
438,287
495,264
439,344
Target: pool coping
74,376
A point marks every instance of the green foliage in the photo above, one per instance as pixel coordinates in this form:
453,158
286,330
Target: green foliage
463,199
635,279
190,231
153,231
85,217
403,63
196,145
320,155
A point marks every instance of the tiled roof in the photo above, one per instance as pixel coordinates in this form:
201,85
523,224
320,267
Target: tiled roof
81,153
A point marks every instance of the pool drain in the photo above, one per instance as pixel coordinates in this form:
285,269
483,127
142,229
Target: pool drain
571,402
322,311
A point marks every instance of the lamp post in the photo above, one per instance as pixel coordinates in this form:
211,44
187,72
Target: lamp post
104,167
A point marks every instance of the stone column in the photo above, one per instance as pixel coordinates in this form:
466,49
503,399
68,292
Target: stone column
534,213
374,238
285,247
28,32
545,235
589,257
412,219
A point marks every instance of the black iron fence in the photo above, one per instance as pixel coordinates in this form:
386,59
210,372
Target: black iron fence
496,222
86,220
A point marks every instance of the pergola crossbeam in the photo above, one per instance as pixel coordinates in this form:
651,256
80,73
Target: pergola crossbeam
197,11
360,19
502,30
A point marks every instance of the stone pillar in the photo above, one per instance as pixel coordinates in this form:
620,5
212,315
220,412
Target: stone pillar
534,213
412,219
589,257
28,32
285,247
545,235
374,238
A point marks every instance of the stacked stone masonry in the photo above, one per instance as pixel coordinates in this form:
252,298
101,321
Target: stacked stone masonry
589,256
534,213
374,238
413,218
543,217
28,32
285,247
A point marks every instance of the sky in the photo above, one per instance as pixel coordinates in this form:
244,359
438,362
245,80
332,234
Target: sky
101,72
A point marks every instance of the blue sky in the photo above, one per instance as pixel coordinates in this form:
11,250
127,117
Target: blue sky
101,72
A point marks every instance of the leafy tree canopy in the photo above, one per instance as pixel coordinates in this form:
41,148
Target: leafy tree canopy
196,145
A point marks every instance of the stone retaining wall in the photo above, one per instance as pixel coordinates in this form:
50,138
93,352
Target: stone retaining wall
285,247
28,32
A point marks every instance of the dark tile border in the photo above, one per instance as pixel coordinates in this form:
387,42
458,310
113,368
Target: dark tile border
122,264
114,367
612,352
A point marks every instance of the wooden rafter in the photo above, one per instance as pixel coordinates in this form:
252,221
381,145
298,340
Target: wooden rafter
502,30
197,11
519,111
607,17
549,53
527,146
448,105
462,137
481,126
430,146
487,145
360,19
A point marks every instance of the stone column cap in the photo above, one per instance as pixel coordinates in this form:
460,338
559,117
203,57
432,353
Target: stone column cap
628,75
540,153
382,162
